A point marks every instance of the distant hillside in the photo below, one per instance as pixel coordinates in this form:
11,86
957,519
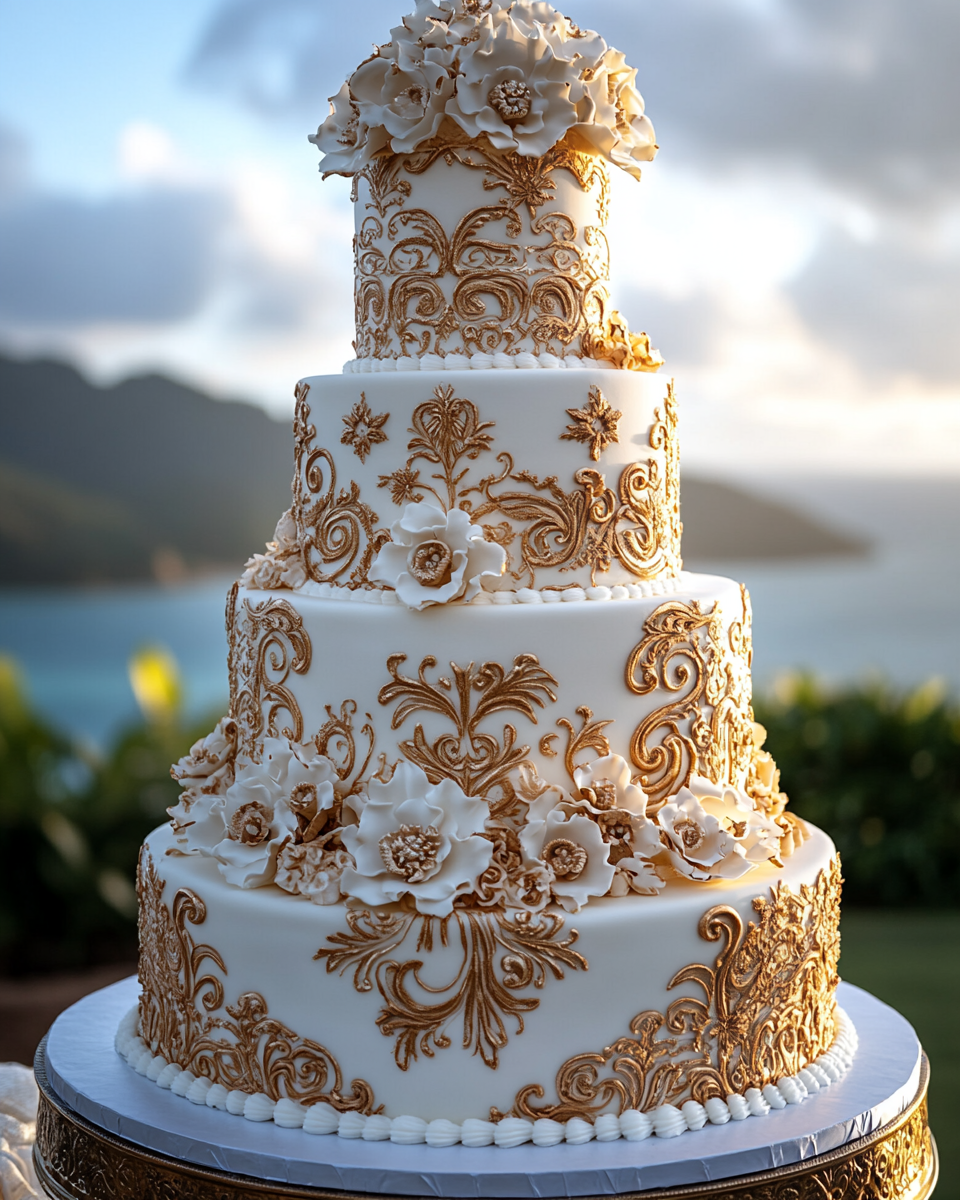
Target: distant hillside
128,481
150,479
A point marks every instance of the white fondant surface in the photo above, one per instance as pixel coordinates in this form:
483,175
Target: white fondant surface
89,1076
583,645
634,946
528,411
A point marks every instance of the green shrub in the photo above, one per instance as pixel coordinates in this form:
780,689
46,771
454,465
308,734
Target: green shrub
880,772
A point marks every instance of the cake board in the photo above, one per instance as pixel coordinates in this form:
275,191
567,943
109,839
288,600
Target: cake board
106,1133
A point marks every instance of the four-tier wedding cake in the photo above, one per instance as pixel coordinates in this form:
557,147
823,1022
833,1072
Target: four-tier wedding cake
488,848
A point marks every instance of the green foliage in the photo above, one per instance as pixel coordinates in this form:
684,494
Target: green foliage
71,824
880,772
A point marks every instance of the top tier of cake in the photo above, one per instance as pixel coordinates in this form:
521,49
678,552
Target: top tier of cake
479,140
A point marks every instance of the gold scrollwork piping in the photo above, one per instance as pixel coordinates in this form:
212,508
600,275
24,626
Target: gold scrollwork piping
364,428
685,654
247,1050
267,642
767,1009
483,990
336,530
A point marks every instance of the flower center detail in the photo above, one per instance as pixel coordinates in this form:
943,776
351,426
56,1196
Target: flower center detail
430,563
411,852
604,793
251,824
511,101
616,826
566,859
690,834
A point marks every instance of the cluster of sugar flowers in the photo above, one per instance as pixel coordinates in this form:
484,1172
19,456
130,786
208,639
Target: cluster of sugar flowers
514,71
285,816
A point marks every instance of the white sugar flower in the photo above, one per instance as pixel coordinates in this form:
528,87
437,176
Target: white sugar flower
347,143
714,832
313,869
205,774
636,874
513,88
282,566
610,117
436,556
572,847
408,102
606,783
416,839
260,812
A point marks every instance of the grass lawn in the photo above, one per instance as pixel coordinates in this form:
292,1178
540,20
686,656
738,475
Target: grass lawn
912,961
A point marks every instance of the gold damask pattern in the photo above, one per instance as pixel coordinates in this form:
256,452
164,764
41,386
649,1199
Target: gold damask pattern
364,428
766,1010
501,954
596,424
246,1050
517,278
686,654
336,530
476,760
266,642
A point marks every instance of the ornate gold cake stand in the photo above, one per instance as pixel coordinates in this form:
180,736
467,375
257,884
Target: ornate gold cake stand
76,1160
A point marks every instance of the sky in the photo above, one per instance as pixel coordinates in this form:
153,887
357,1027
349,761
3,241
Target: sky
794,250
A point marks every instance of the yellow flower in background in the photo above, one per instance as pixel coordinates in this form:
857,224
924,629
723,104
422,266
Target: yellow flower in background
155,679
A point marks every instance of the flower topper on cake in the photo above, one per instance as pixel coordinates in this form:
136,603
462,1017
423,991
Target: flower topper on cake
519,73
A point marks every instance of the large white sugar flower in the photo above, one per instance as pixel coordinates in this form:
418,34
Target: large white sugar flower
265,807
513,88
606,783
436,556
407,101
205,774
713,832
416,839
313,869
572,847
610,117
347,143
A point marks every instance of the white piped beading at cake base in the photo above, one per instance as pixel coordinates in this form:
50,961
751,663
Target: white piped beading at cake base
643,590
476,362
667,1121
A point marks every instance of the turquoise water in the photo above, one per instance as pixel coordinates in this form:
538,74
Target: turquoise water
896,612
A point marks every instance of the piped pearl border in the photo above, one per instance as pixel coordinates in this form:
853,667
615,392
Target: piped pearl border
664,586
476,362
664,1122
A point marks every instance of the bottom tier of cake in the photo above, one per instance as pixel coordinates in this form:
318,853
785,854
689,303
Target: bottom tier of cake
698,992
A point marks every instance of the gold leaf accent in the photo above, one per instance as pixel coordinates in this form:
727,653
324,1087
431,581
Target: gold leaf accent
767,1010
336,531
363,429
684,652
477,761
596,424
247,1050
482,989
267,642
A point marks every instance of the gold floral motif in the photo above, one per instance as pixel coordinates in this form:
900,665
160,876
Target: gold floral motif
684,653
247,1050
336,530
510,291
596,424
501,955
627,351
767,1009
477,761
363,429
589,738
267,642
446,430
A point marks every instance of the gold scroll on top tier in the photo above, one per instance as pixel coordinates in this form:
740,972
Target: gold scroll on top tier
464,249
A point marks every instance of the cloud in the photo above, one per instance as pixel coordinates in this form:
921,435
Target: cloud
892,308
148,256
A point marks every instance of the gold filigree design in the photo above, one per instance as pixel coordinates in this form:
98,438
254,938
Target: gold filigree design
501,955
446,431
247,1050
588,739
336,530
267,641
336,740
595,425
765,1009
627,351
476,760
686,654
505,291
364,429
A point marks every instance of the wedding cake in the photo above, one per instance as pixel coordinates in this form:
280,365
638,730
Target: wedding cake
488,848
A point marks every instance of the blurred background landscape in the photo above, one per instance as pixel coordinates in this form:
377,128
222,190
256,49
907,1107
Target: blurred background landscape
170,264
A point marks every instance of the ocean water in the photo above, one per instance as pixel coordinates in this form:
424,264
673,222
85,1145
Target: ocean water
895,612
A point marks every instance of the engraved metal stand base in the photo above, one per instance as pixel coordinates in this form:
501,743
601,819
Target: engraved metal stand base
81,1158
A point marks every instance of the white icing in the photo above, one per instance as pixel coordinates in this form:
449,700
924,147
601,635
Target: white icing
578,1131
668,1121
217,1097
513,1131
377,1128
717,1111
181,1085
635,1126
607,1127
739,1108
320,1119
476,362
547,1132
694,1114
197,1092
235,1102
259,1107
351,1125
408,1131
288,1114
442,1133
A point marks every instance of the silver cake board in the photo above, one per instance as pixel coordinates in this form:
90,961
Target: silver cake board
83,1071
